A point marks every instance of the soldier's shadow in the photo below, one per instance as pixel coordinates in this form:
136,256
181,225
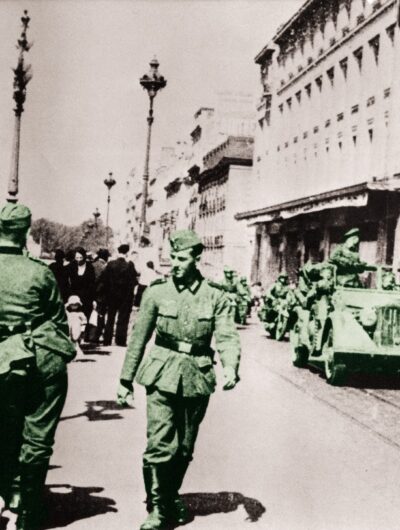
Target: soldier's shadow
202,504
66,504
99,411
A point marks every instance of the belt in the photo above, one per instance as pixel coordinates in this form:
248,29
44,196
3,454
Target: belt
7,331
181,346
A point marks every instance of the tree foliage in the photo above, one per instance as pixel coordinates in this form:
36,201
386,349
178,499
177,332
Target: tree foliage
51,235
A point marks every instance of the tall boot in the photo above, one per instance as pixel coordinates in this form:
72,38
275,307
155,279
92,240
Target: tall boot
33,477
147,479
158,477
178,512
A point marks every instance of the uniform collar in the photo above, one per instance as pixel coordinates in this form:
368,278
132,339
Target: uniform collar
193,287
11,250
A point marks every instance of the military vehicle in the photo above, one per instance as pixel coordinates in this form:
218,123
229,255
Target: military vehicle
351,330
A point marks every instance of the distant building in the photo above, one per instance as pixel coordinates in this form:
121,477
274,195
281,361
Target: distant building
204,185
327,149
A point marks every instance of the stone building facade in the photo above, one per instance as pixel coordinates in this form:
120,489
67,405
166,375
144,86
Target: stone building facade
327,154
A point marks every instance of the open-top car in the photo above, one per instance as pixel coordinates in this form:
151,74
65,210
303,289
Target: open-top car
350,329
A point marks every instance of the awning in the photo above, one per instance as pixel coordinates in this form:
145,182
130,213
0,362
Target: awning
353,196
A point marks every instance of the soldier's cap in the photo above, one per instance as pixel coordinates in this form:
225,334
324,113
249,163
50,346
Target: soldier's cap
228,269
184,239
352,232
73,300
15,217
283,275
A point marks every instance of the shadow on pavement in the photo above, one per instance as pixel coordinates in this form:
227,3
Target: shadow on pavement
99,411
84,361
66,504
3,522
92,350
377,381
200,504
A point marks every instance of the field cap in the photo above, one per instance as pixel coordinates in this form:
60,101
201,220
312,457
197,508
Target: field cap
352,232
184,239
15,217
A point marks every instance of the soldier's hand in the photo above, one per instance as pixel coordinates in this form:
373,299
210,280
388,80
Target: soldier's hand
124,396
230,378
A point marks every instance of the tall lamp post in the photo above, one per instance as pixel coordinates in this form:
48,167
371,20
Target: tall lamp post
22,76
96,215
109,182
153,81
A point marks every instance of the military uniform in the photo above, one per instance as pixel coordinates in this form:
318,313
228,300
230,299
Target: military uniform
34,351
348,262
178,372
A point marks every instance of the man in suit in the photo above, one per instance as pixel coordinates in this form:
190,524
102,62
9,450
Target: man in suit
118,282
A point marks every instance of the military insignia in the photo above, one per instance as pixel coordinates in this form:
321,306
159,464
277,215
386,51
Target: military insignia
159,281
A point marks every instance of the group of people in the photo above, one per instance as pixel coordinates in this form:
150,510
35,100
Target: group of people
239,294
99,292
185,311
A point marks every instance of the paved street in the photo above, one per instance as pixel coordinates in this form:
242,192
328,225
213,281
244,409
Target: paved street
282,451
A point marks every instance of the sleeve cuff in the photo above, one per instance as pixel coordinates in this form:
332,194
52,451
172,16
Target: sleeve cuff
127,384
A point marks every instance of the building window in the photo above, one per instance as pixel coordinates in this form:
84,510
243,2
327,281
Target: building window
354,109
327,148
309,60
340,116
374,44
376,5
371,134
332,41
371,101
331,74
298,96
305,134
386,93
327,123
340,145
390,32
286,145
308,89
345,31
355,140
295,139
358,55
316,129
343,65
289,102
281,107
278,148
318,82
361,18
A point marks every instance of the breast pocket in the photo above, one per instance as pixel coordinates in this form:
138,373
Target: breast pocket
205,321
167,317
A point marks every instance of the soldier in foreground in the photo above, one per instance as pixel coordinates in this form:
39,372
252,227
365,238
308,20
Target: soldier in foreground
34,351
186,311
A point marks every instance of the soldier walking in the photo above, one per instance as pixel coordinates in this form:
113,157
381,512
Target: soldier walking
185,310
34,351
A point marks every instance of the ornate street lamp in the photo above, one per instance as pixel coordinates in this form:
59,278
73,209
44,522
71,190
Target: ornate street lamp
109,182
96,215
153,81
22,76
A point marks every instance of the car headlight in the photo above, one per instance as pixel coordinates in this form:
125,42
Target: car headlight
368,317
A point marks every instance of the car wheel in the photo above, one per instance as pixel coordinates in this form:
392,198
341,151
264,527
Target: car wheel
335,373
300,356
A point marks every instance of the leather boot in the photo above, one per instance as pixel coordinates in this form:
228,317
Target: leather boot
158,480
178,512
147,474
33,477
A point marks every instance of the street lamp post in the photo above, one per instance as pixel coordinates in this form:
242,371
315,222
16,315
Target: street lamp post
96,215
109,182
22,76
153,81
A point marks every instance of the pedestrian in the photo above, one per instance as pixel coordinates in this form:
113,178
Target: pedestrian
119,279
185,310
146,255
77,322
82,280
60,272
99,266
34,351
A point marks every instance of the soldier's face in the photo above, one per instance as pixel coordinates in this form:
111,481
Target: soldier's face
183,263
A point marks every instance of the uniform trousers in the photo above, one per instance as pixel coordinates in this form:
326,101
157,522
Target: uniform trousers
30,409
172,425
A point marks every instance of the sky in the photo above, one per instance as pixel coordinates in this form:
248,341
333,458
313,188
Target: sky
85,113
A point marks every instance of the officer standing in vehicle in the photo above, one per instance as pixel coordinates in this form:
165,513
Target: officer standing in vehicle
34,351
186,310
346,257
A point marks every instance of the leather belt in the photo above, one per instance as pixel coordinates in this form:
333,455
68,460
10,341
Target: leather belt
7,331
181,346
